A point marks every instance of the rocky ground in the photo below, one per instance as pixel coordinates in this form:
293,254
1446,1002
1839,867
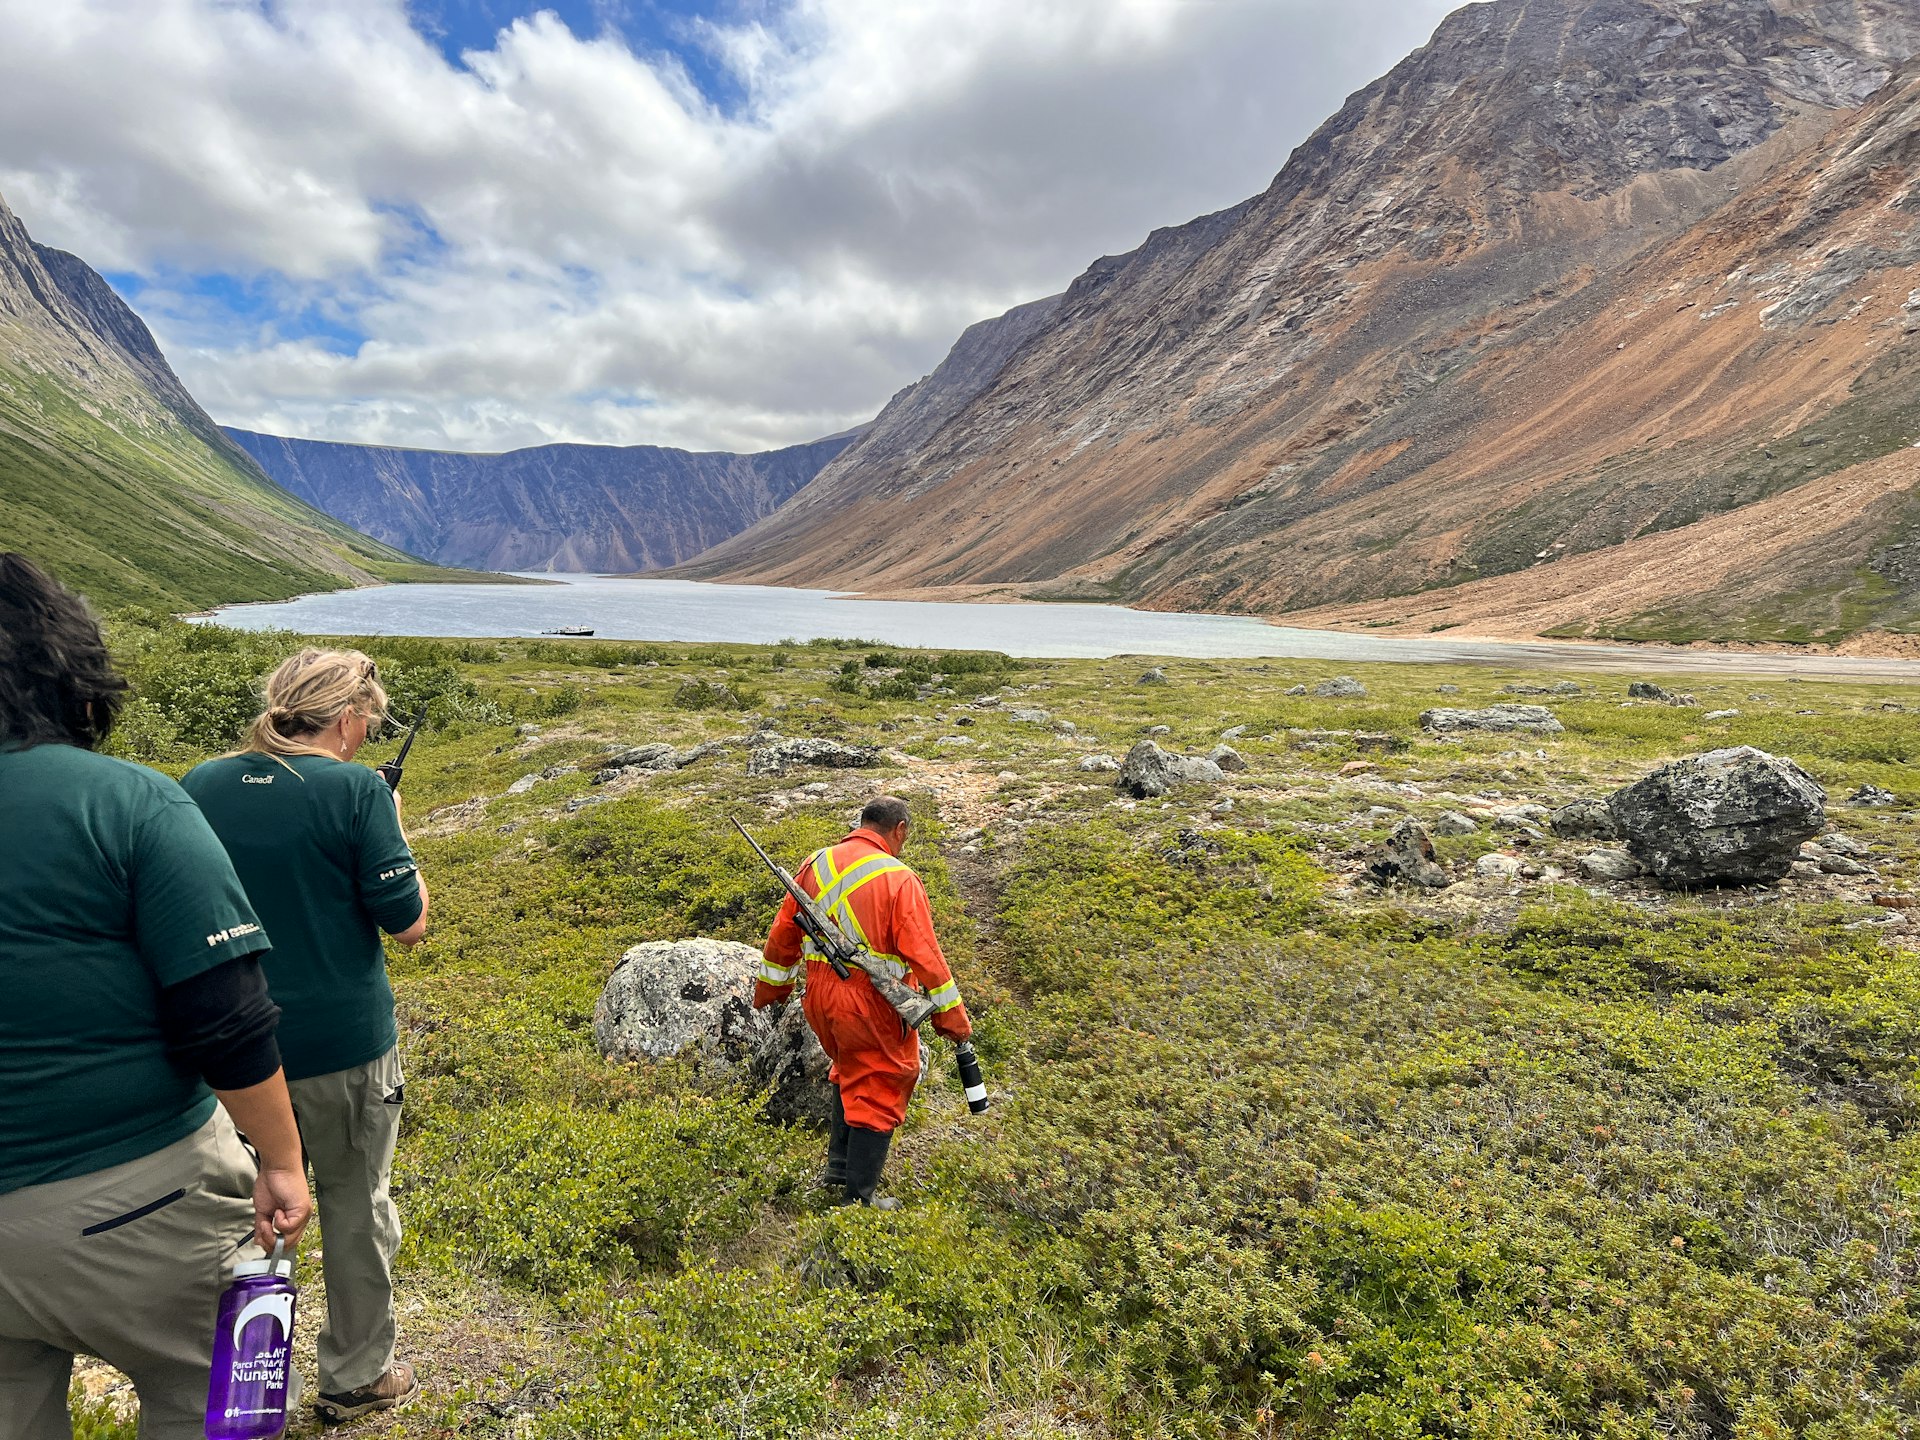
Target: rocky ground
1323,827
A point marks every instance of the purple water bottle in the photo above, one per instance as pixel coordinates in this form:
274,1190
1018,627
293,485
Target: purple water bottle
253,1351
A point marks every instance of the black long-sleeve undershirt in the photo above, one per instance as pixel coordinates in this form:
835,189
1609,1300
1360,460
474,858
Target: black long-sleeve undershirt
223,1024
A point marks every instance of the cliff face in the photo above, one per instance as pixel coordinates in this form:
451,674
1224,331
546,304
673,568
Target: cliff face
111,474
551,507
1426,354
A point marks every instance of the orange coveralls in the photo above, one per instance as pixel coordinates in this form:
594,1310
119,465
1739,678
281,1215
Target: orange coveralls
874,898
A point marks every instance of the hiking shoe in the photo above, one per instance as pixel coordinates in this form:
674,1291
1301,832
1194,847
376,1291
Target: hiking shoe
392,1391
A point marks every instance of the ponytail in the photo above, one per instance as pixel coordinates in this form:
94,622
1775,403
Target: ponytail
307,694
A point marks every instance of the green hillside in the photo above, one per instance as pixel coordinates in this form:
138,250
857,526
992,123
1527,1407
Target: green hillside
112,475
142,510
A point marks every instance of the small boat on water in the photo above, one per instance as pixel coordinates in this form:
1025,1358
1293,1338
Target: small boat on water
575,631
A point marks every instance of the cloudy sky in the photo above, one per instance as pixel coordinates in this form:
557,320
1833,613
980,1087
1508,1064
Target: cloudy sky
722,224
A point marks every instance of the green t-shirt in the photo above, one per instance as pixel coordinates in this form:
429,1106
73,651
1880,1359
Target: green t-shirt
111,889
317,843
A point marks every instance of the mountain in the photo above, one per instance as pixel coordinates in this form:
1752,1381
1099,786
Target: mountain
115,478
551,507
1575,272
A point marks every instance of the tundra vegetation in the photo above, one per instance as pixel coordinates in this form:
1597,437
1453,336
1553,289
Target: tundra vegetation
1275,1151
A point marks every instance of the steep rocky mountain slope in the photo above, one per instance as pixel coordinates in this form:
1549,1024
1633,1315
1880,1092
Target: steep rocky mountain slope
1577,271
551,507
111,474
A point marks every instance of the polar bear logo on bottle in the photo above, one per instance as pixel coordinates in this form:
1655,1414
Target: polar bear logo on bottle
280,1307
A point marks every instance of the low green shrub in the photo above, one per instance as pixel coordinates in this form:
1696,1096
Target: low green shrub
555,1196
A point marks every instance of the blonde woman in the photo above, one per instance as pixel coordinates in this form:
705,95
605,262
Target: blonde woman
317,843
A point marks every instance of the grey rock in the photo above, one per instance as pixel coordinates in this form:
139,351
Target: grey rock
694,998
1835,843
963,720
1584,820
1294,690
1802,870
1233,734
1872,795
527,732
639,757
1720,715
1647,690
1840,865
1341,687
584,802
1728,817
1065,727
1100,764
1452,822
1159,730
1030,717
830,754
987,702
1502,719
1155,676
1408,859
523,784
1609,865
1568,687
1521,817
1149,771
1446,690
1227,758
1497,867
952,741
790,1064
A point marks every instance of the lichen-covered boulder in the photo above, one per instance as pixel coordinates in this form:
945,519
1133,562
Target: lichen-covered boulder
1341,687
1584,820
1409,859
1729,817
694,999
1227,758
1149,771
1501,719
830,754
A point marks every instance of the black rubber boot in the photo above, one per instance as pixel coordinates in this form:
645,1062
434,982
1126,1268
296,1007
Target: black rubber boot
866,1158
834,1177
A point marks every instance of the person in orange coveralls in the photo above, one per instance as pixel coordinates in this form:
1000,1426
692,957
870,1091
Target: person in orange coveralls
866,890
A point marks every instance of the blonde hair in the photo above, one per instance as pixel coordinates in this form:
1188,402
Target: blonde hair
309,692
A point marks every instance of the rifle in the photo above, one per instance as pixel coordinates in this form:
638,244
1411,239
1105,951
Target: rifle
392,770
841,952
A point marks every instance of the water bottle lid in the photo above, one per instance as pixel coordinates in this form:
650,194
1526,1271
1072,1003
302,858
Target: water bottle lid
279,1263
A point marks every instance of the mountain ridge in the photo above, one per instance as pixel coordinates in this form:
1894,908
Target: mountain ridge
563,507
111,473
1279,406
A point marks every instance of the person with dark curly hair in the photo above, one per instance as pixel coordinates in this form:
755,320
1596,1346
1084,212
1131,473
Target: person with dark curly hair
130,961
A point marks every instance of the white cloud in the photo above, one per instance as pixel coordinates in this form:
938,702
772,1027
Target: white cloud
562,240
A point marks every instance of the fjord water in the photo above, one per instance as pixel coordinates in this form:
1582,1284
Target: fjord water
621,609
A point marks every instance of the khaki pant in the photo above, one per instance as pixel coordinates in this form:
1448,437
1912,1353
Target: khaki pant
126,1263
349,1121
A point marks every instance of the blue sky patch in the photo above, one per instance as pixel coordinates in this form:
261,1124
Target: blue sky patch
648,27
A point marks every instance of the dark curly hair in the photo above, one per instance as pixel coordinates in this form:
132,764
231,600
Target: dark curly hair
57,682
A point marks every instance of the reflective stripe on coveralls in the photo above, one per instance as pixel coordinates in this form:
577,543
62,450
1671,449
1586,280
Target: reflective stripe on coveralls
831,895
835,893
